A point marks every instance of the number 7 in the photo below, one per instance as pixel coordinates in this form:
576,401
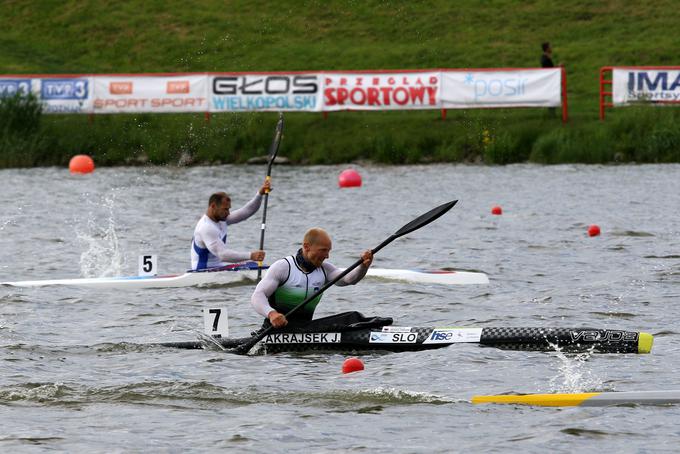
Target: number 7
217,313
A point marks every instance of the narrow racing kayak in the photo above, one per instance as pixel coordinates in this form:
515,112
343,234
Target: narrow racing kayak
598,399
354,332
212,276
247,271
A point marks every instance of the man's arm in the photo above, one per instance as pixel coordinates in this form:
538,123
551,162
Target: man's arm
353,276
220,250
209,236
246,210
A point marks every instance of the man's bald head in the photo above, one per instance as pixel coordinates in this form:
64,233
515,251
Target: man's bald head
314,235
316,246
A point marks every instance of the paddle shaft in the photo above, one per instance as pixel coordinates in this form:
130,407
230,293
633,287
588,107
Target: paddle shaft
274,149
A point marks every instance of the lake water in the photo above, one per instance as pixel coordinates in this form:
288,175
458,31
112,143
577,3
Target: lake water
76,376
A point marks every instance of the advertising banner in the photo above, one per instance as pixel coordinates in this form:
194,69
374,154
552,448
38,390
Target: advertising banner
265,92
153,94
511,88
57,94
327,92
381,91
66,95
630,85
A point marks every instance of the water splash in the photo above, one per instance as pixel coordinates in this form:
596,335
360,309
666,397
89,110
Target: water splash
573,375
32,392
400,396
103,256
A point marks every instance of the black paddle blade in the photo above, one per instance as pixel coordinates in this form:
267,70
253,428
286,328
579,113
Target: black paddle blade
274,148
425,219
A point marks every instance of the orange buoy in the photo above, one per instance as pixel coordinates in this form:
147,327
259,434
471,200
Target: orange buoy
593,230
81,163
352,365
497,210
349,178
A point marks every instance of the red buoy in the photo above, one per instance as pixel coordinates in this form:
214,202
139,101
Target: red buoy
81,163
593,230
349,178
352,365
497,210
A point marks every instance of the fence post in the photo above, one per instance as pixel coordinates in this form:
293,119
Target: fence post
603,93
565,108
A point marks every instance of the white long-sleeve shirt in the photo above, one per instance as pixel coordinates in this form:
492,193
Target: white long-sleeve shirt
209,244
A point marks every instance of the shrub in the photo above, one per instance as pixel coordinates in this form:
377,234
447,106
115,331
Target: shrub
20,114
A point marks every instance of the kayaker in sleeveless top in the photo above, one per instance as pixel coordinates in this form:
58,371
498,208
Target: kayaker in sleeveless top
291,280
209,244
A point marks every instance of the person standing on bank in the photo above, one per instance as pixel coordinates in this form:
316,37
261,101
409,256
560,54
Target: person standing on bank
290,280
547,62
546,58
209,244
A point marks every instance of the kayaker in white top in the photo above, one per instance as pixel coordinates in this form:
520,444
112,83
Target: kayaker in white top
291,280
209,244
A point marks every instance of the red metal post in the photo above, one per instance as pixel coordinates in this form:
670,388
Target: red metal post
603,93
565,108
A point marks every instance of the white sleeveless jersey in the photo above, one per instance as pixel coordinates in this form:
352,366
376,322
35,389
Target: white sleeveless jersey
285,286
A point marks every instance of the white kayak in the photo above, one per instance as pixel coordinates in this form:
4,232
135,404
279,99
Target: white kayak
430,276
214,276
245,272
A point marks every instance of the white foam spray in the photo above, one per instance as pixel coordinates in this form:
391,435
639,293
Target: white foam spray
102,256
573,374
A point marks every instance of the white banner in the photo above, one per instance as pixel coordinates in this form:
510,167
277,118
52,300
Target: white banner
120,94
515,88
381,91
645,85
332,91
265,92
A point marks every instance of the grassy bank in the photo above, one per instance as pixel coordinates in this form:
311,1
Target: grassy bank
136,36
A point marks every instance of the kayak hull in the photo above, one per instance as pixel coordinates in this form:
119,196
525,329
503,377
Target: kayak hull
398,339
188,279
246,272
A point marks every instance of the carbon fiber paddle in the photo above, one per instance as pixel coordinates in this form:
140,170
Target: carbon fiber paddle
273,150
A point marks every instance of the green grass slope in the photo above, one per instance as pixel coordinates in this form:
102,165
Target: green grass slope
171,36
